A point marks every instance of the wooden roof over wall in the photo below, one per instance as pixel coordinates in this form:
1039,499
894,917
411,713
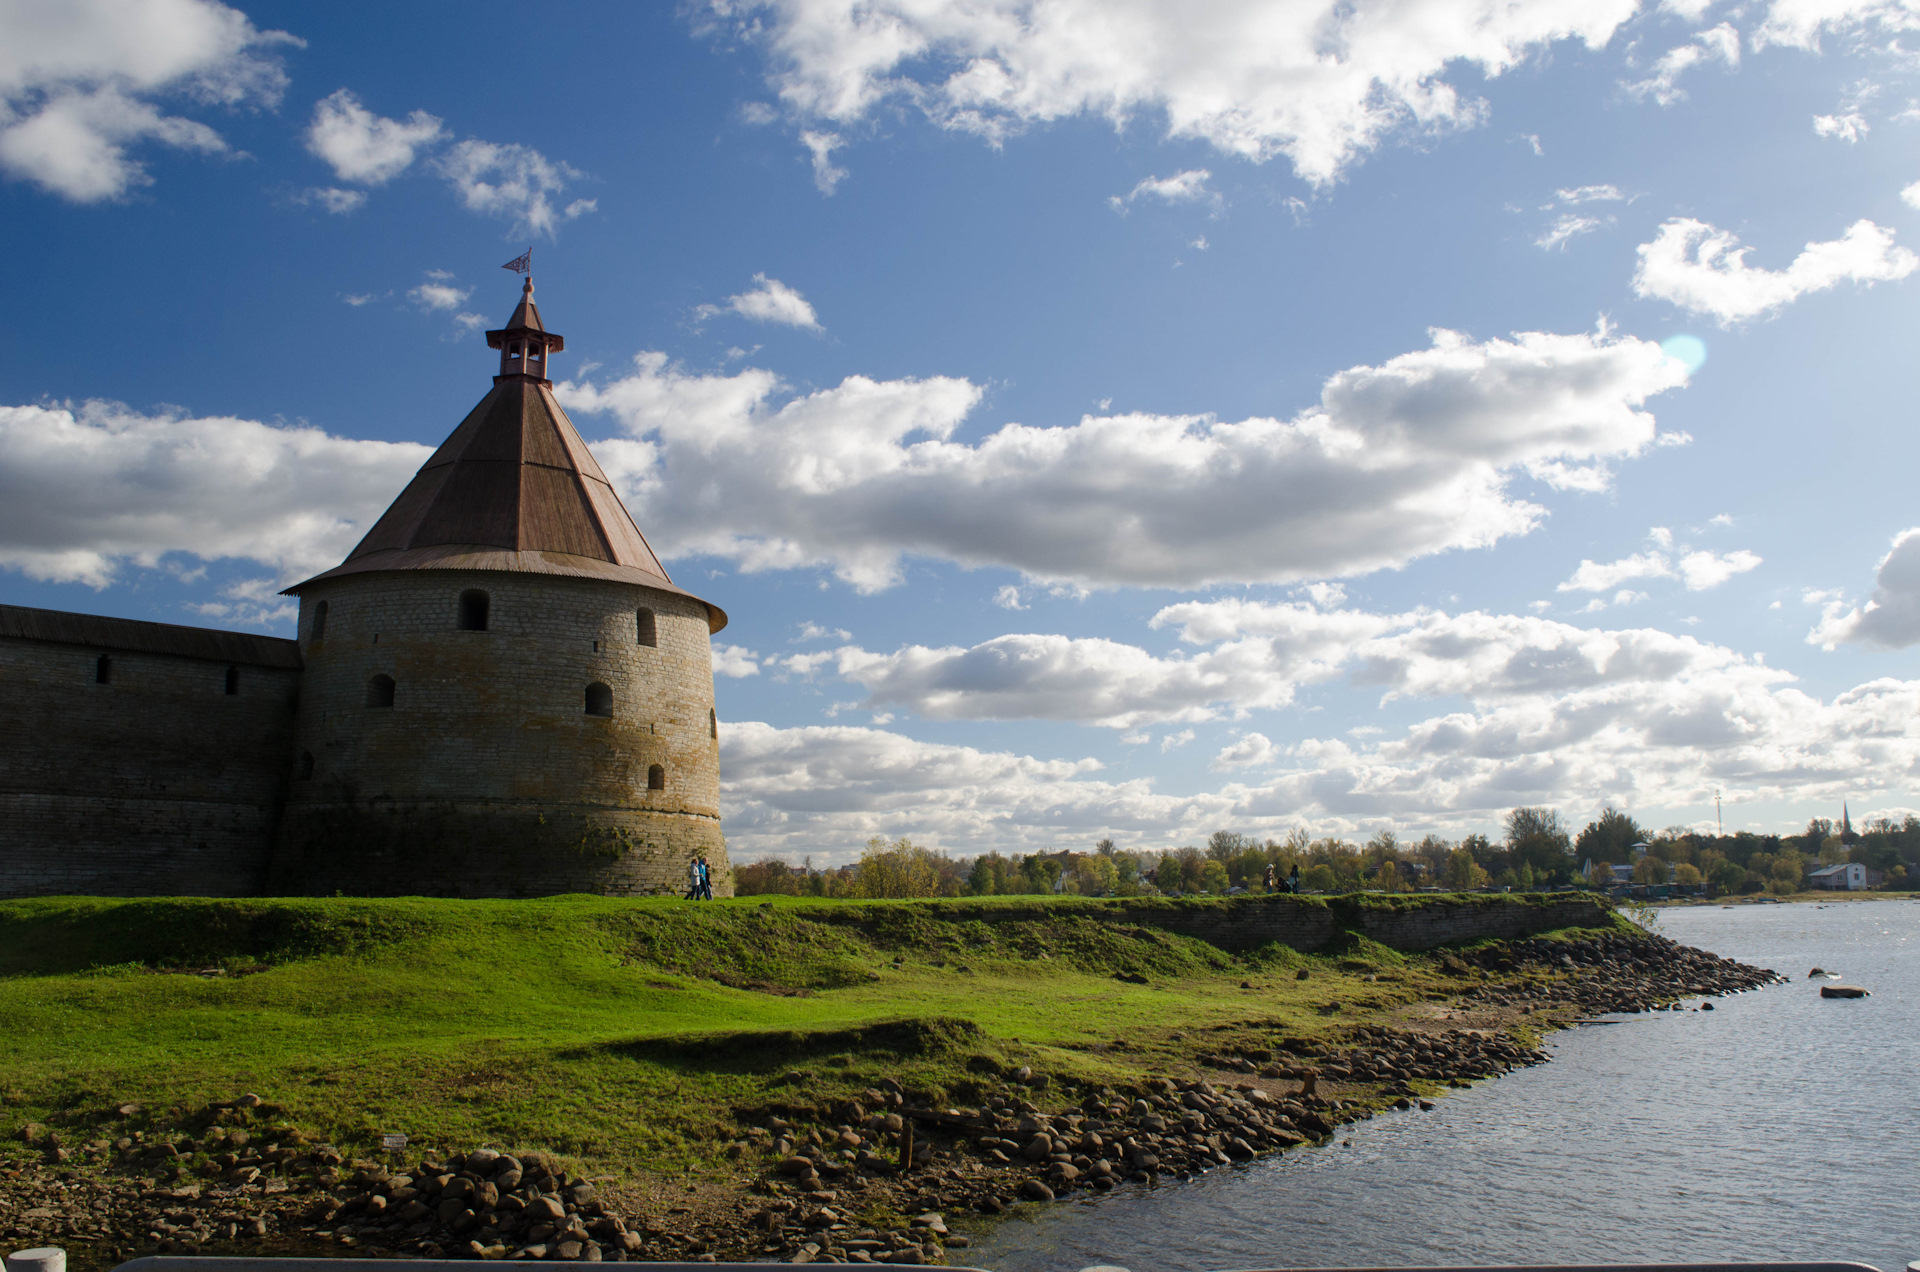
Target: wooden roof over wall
513,488
133,635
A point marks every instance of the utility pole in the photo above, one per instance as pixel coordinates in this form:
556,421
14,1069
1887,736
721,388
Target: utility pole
1719,827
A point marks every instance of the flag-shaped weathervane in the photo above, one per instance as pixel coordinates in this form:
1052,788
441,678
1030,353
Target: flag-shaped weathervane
521,264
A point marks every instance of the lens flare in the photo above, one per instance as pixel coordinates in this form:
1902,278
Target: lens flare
1689,351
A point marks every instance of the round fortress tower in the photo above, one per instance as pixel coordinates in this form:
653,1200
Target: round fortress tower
504,693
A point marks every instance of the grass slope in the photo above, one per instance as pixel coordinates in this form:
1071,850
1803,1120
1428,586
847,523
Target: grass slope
624,1033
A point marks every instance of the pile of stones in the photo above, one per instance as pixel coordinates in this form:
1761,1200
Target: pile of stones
487,1204
1609,972
1008,1150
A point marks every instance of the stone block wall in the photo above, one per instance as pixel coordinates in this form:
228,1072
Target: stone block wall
488,776
158,782
1310,925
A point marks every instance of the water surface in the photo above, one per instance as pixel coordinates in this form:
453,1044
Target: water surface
1779,1126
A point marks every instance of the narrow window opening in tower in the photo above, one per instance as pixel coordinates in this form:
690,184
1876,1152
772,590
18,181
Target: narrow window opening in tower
643,621
380,691
233,681
599,700
473,610
513,351
713,723
103,670
317,630
656,777
306,766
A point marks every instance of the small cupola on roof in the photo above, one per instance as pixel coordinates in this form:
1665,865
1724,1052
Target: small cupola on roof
524,343
514,488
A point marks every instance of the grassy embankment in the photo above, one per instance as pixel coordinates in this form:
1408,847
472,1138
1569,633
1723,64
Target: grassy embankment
623,1034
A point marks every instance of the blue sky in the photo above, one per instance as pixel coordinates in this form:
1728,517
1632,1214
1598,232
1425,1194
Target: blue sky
1130,418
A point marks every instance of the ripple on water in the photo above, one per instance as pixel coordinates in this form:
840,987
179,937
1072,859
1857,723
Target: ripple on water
1779,1126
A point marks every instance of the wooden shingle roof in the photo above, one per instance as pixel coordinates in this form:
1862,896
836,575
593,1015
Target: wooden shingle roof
513,488
133,635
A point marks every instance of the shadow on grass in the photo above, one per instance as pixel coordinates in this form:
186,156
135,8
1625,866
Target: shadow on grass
762,1050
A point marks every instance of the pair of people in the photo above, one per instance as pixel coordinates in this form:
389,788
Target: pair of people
1273,878
700,880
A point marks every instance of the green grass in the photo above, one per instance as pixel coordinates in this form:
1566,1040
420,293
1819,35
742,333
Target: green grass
624,1033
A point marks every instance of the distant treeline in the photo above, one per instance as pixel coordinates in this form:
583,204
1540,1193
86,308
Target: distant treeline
1537,850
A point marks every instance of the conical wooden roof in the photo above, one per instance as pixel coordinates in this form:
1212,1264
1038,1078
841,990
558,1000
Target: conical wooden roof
514,488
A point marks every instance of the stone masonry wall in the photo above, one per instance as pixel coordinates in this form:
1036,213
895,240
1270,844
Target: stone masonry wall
158,782
487,776
1306,924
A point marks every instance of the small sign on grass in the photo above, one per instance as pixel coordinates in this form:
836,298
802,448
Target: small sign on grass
393,1141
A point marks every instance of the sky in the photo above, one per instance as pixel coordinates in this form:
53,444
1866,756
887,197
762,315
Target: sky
1099,418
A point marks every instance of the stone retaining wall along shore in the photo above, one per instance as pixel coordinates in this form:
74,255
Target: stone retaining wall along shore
1312,923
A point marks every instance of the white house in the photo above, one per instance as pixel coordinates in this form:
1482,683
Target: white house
1848,877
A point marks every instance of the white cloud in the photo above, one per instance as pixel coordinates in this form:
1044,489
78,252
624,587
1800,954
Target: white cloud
1396,462
1848,123
1590,194
1255,656
249,603
1720,44
514,182
82,493
1570,226
806,790
768,300
736,661
1250,751
811,630
1699,569
1801,23
1320,82
1008,597
1703,570
1592,576
1085,680
1182,187
79,79
366,148
1891,619
1704,269
1553,714
1911,195
1174,741
439,295
1850,127
820,146
334,199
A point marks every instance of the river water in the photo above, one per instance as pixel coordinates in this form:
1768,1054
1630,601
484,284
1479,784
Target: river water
1781,1125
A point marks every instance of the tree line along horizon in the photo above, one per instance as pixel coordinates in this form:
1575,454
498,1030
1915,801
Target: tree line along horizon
1538,850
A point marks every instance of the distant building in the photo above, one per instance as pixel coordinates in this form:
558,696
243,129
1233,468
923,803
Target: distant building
1849,876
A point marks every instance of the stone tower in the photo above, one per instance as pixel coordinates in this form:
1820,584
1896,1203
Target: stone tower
504,693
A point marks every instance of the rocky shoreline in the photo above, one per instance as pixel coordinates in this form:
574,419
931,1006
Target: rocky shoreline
871,1178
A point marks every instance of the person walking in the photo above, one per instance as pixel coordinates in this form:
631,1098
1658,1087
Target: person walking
1272,878
1293,878
706,880
693,878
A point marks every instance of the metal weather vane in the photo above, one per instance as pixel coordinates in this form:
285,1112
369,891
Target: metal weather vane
521,264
